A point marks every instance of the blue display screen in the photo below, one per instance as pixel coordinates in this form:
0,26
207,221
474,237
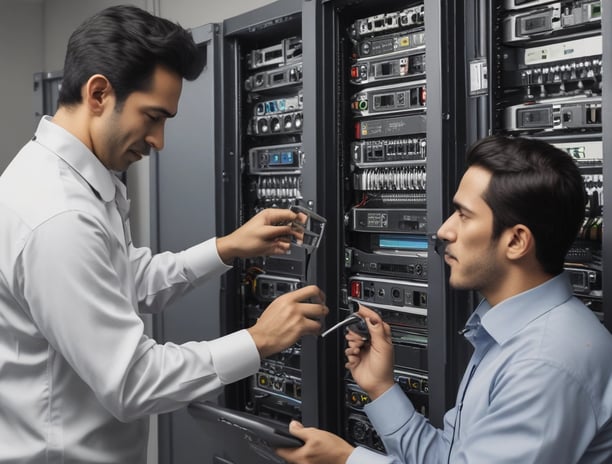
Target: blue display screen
284,158
403,242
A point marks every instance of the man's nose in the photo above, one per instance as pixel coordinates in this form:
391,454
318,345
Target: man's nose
155,139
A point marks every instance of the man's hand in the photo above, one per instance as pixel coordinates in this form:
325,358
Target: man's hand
371,362
288,318
320,447
267,233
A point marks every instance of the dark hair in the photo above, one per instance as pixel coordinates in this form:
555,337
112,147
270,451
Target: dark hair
126,44
535,184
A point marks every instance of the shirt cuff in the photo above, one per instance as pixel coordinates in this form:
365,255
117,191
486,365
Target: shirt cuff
203,259
390,411
234,356
362,455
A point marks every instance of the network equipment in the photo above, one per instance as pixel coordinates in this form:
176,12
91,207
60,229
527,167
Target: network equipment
551,88
385,254
272,170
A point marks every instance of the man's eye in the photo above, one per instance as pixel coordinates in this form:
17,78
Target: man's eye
153,118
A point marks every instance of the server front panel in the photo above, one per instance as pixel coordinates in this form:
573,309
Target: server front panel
549,85
382,154
266,139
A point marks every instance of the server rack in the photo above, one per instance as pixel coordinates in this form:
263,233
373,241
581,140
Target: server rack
466,66
266,163
606,27
251,98
545,62
262,37
46,87
393,77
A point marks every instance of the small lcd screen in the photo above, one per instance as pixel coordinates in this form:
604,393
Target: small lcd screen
287,157
535,117
402,242
533,25
281,159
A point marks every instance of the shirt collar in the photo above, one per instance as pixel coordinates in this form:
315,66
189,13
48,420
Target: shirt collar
74,152
507,318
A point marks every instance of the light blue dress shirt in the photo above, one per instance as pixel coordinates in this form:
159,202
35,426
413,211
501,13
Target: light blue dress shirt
78,375
538,390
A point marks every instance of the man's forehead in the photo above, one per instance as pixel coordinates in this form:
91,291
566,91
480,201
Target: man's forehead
472,187
164,92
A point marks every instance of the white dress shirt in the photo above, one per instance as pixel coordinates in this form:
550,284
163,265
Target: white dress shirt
78,376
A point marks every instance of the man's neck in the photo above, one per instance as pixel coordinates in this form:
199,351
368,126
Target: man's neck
75,120
517,280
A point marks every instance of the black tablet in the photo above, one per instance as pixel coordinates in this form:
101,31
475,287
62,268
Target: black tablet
255,429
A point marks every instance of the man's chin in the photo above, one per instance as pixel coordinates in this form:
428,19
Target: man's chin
458,284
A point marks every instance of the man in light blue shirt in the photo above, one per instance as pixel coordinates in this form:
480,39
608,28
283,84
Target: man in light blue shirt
538,389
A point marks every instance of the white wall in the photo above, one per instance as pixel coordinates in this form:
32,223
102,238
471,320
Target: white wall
193,13
21,55
61,17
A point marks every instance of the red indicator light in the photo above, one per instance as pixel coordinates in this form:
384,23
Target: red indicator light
356,289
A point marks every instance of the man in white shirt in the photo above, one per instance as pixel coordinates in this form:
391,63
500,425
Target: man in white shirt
78,376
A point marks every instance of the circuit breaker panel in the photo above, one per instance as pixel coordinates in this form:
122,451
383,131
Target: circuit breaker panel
549,85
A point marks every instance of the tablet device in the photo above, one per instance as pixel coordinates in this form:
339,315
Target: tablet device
257,430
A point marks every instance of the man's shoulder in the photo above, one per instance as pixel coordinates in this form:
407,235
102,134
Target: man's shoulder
570,337
38,185
573,321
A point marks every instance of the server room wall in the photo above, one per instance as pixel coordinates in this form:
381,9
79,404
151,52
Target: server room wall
20,23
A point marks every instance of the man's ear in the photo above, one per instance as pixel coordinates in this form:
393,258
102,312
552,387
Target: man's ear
520,242
98,94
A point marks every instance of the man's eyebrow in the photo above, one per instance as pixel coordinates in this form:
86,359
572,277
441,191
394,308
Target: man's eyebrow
458,206
161,110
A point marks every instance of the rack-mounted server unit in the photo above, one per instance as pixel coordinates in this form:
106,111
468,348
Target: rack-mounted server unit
394,143
265,160
546,64
269,160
